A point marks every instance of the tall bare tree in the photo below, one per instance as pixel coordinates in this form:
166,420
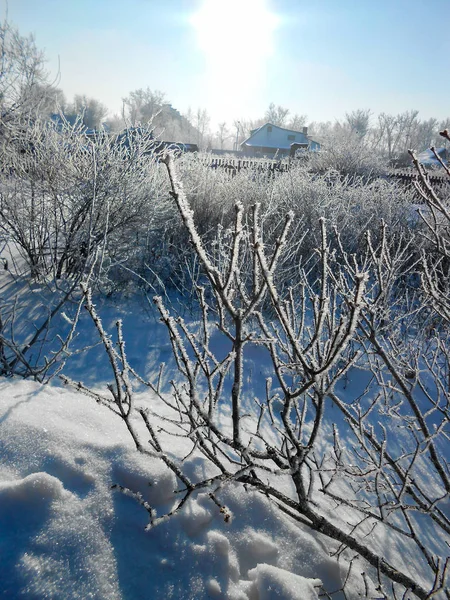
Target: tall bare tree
223,134
142,105
297,122
24,89
277,115
359,121
201,122
91,111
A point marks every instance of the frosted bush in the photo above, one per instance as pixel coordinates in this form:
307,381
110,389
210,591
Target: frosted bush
349,154
346,430
66,197
354,205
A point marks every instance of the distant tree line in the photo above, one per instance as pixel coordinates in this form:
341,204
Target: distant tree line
389,136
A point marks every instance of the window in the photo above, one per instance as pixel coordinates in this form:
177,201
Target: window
269,129
291,138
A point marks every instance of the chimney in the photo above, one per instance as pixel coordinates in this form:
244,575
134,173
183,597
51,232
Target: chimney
305,130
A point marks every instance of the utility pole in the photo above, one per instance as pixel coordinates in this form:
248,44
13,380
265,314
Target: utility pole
236,143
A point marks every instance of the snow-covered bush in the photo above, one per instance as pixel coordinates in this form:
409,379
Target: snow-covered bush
169,259
349,154
435,215
70,207
355,205
347,433
66,197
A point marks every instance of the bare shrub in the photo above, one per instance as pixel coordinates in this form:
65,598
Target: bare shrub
348,153
68,196
436,216
355,469
354,204
37,327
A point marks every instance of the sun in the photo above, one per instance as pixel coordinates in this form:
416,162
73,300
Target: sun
236,38
235,27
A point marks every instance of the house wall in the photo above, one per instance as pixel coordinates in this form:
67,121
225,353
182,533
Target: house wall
271,139
277,137
262,151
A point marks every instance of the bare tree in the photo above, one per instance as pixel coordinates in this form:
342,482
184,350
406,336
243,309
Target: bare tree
223,134
389,132
347,153
201,124
142,105
115,124
297,122
22,74
91,112
49,100
359,121
398,133
424,135
276,115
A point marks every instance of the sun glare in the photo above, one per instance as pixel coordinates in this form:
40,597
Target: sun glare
235,26
236,37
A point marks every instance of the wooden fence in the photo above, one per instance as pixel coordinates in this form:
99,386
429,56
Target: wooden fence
411,175
234,166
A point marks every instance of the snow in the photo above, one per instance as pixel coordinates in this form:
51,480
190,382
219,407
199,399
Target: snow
65,534
270,582
428,158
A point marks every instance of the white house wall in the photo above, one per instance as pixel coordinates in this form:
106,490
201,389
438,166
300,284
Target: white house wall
277,138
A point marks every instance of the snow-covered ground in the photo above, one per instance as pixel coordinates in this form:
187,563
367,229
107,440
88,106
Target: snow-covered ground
66,534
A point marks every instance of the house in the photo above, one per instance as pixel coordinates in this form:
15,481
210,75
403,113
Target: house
270,140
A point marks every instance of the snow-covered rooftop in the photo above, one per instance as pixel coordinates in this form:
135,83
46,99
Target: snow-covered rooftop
428,158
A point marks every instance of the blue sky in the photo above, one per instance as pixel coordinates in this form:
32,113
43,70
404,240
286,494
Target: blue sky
321,58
